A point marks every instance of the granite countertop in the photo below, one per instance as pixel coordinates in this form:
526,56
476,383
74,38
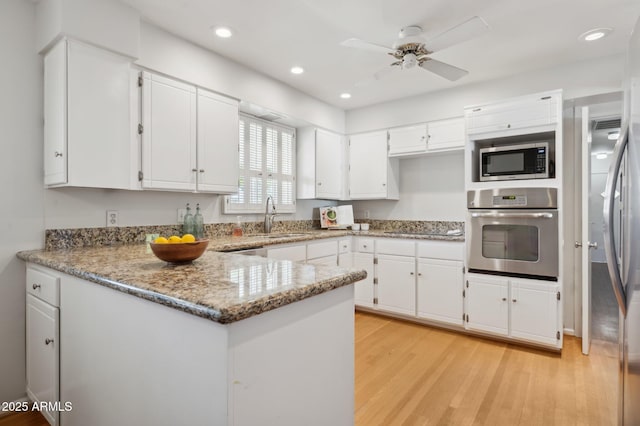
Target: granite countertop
222,287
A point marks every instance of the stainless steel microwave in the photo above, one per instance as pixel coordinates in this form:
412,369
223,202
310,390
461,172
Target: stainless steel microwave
511,162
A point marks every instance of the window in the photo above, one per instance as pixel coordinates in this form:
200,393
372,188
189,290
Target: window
266,160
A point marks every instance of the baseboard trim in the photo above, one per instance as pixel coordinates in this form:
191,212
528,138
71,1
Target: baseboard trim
569,331
6,413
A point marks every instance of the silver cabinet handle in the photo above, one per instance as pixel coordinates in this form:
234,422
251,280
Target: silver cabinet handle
577,244
47,341
504,299
592,245
514,300
319,183
36,286
201,170
194,170
419,274
411,273
58,154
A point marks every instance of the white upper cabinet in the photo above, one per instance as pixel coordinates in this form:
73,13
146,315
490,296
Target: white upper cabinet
408,140
189,137
217,147
321,165
87,139
169,134
372,174
446,135
526,111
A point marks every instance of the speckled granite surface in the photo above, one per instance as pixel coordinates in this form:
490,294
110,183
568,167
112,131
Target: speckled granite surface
218,286
85,237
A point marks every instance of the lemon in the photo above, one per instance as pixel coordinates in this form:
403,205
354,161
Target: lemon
174,239
188,238
161,240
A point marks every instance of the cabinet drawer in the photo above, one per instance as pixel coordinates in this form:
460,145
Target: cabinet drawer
364,245
43,285
395,247
323,249
447,250
344,246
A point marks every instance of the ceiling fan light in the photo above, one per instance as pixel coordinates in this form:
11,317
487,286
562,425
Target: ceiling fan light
345,95
297,70
409,61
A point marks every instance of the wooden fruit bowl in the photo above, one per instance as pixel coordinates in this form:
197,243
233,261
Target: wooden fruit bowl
179,252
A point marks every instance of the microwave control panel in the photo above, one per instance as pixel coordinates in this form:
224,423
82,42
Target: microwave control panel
509,201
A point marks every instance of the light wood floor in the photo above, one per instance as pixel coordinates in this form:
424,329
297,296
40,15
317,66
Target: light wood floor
409,374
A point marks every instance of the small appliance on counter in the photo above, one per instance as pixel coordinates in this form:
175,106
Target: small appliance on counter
336,217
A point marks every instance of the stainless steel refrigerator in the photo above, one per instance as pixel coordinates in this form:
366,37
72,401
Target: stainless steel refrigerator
623,252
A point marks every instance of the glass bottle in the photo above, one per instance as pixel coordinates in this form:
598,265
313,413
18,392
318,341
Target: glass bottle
198,223
187,226
237,229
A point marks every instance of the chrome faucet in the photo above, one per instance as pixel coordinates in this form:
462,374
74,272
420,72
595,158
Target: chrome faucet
268,217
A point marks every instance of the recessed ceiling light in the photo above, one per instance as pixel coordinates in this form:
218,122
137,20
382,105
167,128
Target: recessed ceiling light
612,136
223,32
595,34
601,156
297,70
345,95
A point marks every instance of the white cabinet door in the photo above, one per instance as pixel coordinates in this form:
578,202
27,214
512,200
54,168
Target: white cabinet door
487,304
408,140
534,311
370,172
364,290
296,253
87,132
439,290
43,354
446,135
396,284
217,146
55,115
169,136
528,111
329,165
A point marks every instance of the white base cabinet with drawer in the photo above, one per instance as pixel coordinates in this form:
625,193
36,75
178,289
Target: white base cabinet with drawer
523,309
43,337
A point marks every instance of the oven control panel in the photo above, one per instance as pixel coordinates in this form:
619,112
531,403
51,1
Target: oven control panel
509,201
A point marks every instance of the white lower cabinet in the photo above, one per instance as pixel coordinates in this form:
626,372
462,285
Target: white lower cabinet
296,253
364,290
439,291
43,340
396,284
523,309
326,260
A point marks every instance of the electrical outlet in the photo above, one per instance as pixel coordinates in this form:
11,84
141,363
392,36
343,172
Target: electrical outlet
366,214
181,214
112,218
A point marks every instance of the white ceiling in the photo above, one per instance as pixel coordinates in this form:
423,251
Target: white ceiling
272,36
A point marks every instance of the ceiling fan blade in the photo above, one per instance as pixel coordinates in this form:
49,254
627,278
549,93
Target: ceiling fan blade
377,76
361,44
447,71
467,30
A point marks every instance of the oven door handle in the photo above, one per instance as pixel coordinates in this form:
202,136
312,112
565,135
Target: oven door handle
515,215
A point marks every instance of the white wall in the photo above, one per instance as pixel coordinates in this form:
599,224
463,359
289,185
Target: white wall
432,188
21,219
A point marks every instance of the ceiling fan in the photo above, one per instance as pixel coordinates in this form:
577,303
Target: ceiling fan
411,49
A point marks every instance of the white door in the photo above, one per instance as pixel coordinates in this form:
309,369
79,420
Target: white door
440,290
55,113
397,284
217,143
368,166
584,244
329,167
364,290
169,136
487,304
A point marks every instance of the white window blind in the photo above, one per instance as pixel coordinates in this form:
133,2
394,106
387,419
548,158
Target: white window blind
266,163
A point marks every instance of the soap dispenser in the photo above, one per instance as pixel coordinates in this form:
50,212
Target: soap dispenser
188,225
198,223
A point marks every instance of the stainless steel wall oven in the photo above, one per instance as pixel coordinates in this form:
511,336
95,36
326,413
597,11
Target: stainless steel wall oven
513,232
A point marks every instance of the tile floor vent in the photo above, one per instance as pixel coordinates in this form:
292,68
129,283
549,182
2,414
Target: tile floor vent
613,123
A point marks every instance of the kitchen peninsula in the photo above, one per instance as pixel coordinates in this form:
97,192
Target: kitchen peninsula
228,339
